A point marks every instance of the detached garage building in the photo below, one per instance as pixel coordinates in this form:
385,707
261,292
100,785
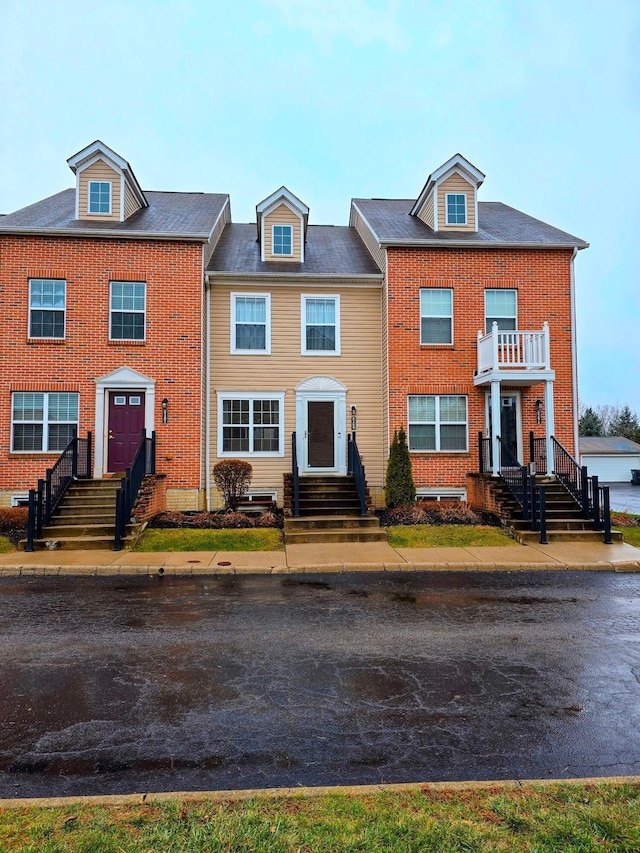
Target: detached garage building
611,458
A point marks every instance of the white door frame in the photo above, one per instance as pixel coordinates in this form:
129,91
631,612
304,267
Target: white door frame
518,398
123,379
328,389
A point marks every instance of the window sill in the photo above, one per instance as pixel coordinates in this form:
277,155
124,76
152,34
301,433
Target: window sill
437,346
440,452
126,343
31,341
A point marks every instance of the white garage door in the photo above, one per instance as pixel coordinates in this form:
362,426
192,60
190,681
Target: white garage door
611,469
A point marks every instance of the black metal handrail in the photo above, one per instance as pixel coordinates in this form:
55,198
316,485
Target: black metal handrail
485,454
144,462
515,476
593,498
538,453
356,469
73,463
295,475
573,476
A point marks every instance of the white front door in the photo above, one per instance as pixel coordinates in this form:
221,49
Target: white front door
321,427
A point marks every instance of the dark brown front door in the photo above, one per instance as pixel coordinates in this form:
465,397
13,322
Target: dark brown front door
126,422
320,428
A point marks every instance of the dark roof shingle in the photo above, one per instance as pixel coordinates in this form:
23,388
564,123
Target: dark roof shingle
498,224
329,250
190,215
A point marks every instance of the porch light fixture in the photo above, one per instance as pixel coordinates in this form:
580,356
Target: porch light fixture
539,406
353,418
165,410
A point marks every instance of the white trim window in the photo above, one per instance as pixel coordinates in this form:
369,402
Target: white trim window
436,315
320,325
282,240
47,304
42,422
127,304
250,424
456,208
99,197
501,307
437,423
251,323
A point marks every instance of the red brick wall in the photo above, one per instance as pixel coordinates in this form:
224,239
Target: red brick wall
171,353
542,279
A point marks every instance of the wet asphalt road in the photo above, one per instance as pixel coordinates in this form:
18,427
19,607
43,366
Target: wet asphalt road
119,685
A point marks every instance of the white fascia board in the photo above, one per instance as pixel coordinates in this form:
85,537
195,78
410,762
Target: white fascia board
106,232
463,165
365,220
226,209
295,280
99,151
264,207
476,244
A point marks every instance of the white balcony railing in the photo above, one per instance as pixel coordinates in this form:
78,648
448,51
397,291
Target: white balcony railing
513,350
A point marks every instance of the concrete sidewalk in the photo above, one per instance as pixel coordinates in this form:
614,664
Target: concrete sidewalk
326,557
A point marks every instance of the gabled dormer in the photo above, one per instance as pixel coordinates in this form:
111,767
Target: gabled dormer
282,227
106,188
449,199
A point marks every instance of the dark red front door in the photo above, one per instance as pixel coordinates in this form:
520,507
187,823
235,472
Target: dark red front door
126,422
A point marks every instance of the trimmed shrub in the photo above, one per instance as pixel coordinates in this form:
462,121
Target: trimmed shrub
13,523
623,519
215,520
399,486
434,513
232,477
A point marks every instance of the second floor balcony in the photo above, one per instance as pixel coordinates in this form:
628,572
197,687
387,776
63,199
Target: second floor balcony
520,357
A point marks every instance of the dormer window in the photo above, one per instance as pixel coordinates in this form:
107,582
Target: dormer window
283,240
456,209
100,197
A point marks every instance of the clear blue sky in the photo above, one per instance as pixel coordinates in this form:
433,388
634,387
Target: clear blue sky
342,98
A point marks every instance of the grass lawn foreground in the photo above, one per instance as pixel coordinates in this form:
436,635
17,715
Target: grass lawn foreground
183,539
446,536
567,817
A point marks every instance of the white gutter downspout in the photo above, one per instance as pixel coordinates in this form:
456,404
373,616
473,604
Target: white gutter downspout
574,357
207,444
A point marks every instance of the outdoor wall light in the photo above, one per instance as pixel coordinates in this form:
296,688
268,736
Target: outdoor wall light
539,407
165,410
353,418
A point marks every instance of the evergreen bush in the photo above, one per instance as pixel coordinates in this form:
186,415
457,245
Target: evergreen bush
399,485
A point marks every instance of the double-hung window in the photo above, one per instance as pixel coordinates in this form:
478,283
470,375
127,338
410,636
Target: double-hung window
501,307
100,197
47,303
42,421
321,325
282,240
251,323
127,311
437,423
436,315
456,208
250,424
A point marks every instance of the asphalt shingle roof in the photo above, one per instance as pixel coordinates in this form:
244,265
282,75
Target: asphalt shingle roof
497,224
329,250
608,444
191,215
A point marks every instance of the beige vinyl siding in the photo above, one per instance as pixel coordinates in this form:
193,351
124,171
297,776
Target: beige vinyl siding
426,211
456,184
130,202
385,371
282,216
358,368
99,171
369,240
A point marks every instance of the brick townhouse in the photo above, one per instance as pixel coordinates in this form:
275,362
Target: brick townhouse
126,309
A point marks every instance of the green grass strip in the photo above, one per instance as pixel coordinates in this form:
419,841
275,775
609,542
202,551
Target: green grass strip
153,539
5,545
572,818
446,536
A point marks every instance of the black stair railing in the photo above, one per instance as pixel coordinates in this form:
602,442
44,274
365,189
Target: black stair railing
73,463
538,453
144,462
356,469
295,476
485,454
593,498
515,476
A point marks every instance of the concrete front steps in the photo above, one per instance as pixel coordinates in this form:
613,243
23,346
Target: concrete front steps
330,512
85,518
565,522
